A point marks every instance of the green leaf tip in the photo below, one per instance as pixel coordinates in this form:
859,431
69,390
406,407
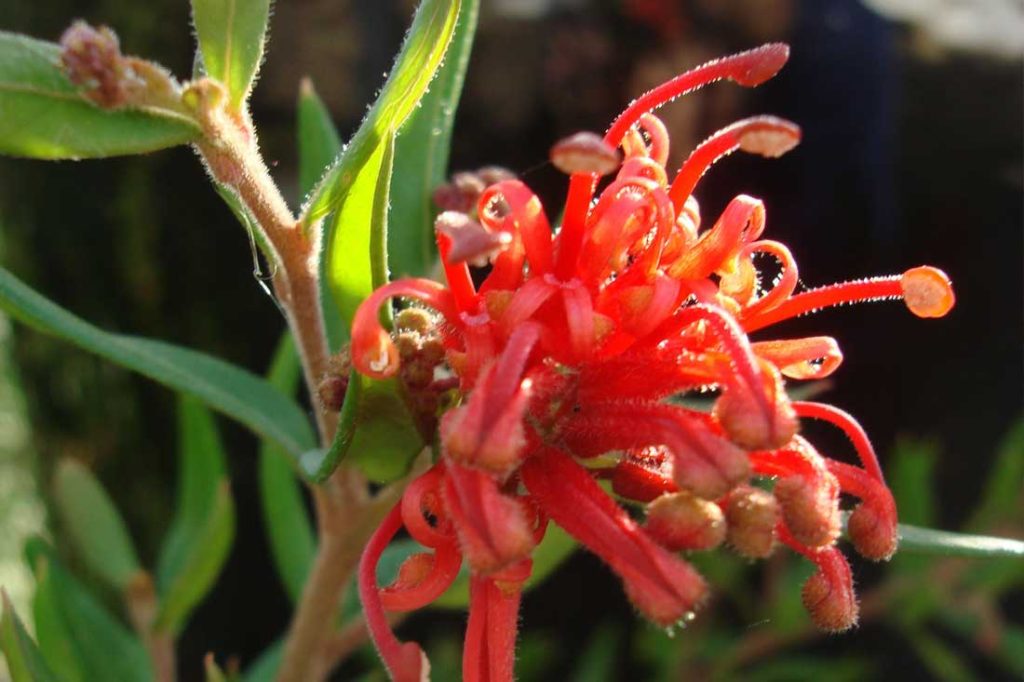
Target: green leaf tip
95,527
232,37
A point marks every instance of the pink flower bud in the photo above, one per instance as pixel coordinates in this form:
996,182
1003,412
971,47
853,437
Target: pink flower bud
810,509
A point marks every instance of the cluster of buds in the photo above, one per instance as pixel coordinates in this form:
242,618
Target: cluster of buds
92,59
566,357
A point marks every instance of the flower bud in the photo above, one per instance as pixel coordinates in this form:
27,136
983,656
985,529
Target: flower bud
92,59
494,530
470,241
831,601
810,509
873,534
751,515
754,422
681,521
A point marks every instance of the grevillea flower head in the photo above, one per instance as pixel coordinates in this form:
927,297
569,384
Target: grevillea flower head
566,357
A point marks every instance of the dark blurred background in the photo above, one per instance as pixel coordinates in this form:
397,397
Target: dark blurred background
912,153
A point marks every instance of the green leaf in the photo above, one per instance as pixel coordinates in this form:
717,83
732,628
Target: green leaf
224,387
374,423
911,477
202,470
1003,495
943,662
421,55
356,241
24,661
232,34
289,530
421,159
597,662
264,668
375,427
946,543
91,632
52,633
553,550
319,142
209,551
42,115
93,524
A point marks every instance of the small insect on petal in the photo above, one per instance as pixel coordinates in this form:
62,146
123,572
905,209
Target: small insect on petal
585,153
927,291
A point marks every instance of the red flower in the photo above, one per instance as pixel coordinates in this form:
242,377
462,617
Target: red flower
569,351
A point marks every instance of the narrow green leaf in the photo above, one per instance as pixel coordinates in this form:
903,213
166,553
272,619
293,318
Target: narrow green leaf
911,475
374,423
356,241
421,159
55,641
1002,498
224,387
232,34
264,668
944,663
24,661
597,660
95,527
92,631
289,530
319,142
213,671
202,466
946,543
210,550
42,116
417,62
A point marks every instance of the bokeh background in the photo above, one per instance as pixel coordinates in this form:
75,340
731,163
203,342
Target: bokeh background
912,153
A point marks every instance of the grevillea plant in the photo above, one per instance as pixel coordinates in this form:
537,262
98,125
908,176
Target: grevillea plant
473,417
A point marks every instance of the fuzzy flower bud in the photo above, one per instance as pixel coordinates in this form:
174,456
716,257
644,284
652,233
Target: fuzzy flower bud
828,595
751,515
810,509
873,534
681,521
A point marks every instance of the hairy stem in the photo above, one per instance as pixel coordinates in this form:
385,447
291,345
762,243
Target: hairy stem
231,155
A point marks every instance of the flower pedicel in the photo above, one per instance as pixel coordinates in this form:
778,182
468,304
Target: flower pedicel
568,352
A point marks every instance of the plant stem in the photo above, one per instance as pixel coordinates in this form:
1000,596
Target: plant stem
141,600
232,157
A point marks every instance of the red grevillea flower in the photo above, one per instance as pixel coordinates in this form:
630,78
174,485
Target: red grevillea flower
570,351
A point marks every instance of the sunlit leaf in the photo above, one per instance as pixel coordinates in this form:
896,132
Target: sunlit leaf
94,525
319,144
289,531
55,641
421,157
374,424
421,55
42,116
231,36
24,661
224,387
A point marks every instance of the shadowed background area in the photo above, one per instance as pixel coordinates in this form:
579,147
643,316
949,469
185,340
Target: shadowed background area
912,153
